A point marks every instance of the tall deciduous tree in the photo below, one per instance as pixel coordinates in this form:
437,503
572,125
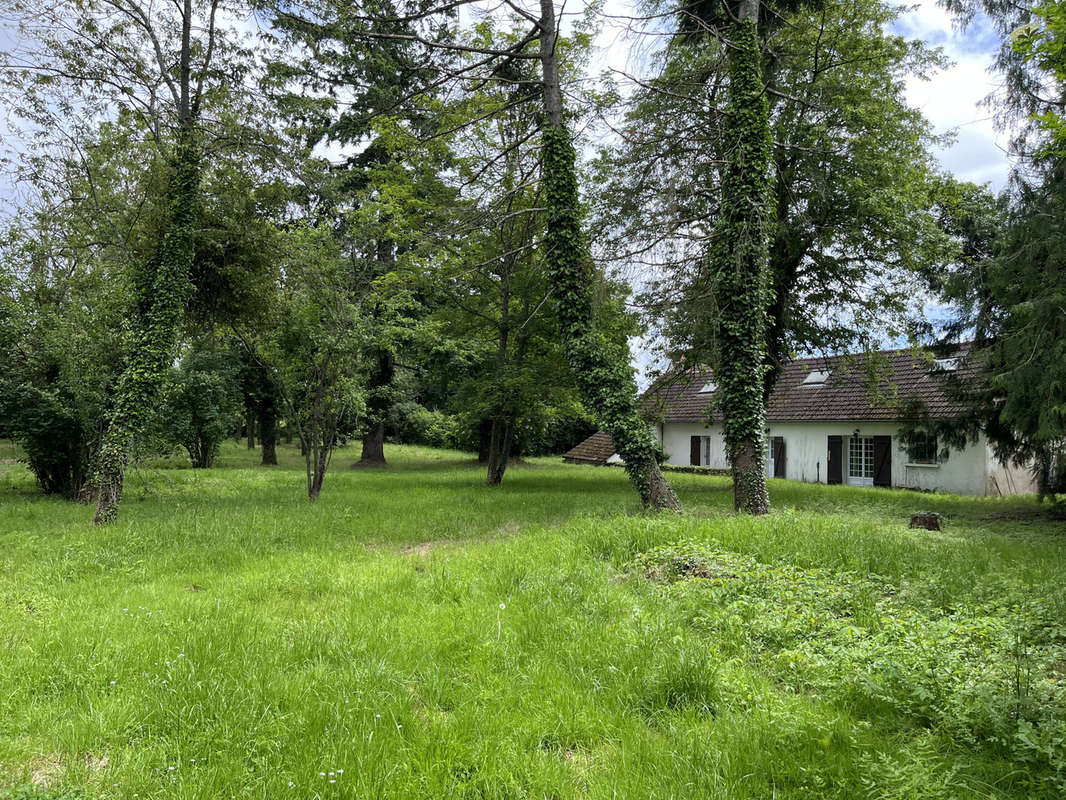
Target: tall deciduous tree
853,182
601,368
738,257
443,58
158,64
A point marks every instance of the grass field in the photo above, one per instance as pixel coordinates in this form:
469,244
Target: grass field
415,634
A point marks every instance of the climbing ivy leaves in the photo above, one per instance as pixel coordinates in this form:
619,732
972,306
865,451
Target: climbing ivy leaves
601,366
738,260
161,290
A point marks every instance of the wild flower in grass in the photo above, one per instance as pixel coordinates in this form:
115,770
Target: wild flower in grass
499,622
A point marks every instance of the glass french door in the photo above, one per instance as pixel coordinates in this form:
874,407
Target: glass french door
861,460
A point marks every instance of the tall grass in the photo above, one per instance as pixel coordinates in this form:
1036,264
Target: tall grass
416,634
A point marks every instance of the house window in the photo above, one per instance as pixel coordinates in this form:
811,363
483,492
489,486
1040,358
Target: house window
923,450
816,377
706,451
945,365
861,460
709,388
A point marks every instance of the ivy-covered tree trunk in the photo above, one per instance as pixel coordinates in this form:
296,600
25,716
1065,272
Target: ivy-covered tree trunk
601,367
161,292
739,257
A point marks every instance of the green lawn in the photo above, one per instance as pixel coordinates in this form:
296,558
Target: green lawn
415,634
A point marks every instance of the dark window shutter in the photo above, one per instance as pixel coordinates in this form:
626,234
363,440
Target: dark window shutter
834,468
694,451
779,456
882,461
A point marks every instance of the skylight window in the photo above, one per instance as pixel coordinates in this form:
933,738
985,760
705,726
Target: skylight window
817,377
709,388
945,365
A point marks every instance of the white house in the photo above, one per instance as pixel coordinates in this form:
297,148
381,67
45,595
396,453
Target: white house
831,420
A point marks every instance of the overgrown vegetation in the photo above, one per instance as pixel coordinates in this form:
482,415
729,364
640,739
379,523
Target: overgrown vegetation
413,635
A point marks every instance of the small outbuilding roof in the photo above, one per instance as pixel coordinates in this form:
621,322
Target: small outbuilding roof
594,450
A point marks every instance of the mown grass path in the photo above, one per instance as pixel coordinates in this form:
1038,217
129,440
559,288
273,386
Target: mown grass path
415,634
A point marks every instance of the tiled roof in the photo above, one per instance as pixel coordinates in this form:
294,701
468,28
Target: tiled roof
594,450
875,388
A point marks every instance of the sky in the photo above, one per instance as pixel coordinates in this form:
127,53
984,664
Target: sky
951,100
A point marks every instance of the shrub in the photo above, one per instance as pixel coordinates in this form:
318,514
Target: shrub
418,425
203,403
60,354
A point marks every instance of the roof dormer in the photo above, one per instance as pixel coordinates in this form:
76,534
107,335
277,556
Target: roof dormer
945,365
817,377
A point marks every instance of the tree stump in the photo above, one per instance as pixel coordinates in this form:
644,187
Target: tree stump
925,520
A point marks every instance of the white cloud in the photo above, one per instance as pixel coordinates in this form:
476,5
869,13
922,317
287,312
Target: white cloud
952,99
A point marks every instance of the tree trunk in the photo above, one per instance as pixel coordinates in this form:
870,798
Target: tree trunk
161,291
601,367
250,429
198,454
738,259
378,405
318,469
499,450
484,440
374,446
268,433
749,479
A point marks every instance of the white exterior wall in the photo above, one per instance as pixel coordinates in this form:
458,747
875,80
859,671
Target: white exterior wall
971,470
1008,479
675,438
